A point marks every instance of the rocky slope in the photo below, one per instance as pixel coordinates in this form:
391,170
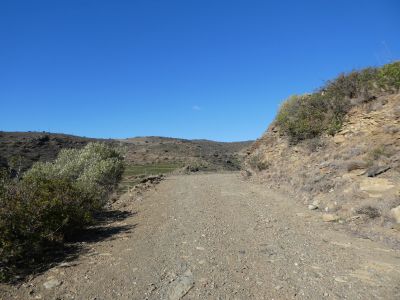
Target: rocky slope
352,177
195,154
19,150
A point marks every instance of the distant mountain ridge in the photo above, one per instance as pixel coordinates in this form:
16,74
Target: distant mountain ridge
22,149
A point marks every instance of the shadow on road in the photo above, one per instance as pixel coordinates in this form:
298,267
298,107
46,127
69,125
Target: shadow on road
64,255
104,228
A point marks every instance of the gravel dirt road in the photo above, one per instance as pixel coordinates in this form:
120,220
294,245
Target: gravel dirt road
216,236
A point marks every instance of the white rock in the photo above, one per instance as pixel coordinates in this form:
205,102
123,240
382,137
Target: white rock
338,139
331,207
376,187
52,283
330,218
340,279
395,212
66,264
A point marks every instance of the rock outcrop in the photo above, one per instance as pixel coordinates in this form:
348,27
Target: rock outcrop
356,168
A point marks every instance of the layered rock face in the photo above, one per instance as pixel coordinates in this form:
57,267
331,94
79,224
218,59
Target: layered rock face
353,176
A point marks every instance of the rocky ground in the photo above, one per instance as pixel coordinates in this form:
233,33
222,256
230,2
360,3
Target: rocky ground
218,236
352,177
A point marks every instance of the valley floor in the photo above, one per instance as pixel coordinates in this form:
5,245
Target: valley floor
216,236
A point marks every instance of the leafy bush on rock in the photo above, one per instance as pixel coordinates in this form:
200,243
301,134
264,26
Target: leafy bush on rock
308,116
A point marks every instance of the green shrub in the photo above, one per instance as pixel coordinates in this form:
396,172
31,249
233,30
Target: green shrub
97,168
54,200
389,77
356,84
308,116
378,153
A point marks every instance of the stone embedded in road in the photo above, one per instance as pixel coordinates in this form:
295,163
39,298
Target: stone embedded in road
181,286
52,283
340,279
330,218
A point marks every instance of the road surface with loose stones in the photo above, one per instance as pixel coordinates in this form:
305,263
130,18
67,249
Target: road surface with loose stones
216,236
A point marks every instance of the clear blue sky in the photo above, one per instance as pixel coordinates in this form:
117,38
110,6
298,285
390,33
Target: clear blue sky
190,68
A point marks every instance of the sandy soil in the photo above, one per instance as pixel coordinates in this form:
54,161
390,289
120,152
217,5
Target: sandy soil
216,236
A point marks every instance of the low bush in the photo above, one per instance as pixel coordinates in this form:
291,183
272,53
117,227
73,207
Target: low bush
314,144
378,153
96,169
54,200
356,84
389,77
257,162
308,116
370,211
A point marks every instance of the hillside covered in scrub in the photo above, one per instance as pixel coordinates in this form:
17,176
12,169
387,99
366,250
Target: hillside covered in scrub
337,150
195,155
20,150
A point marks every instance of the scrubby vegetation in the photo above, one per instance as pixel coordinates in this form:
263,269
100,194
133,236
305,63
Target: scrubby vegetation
308,116
257,162
53,200
389,77
376,154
